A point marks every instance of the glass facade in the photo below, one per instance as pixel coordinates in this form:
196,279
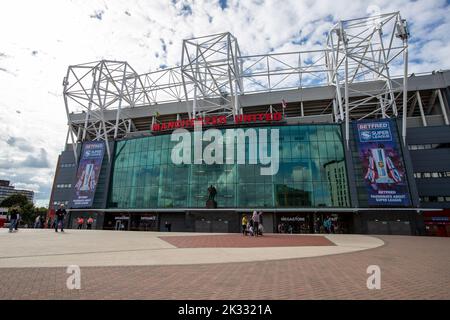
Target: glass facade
311,173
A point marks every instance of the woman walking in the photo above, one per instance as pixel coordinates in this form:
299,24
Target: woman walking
244,225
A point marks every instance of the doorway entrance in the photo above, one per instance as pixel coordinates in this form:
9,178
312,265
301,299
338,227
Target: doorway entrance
294,222
116,221
314,222
338,222
122,223
144,222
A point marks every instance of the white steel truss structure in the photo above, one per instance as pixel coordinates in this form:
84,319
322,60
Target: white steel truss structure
166,85
367,49
213,65
94,89
282,71
213,76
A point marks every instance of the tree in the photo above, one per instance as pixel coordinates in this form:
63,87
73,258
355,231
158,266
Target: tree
28,212
14,200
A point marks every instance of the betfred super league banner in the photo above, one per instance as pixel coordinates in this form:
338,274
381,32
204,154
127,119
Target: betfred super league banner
88,173
382,163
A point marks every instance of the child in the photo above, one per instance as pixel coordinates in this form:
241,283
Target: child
249,229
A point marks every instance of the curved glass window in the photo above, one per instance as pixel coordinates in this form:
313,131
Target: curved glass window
312,172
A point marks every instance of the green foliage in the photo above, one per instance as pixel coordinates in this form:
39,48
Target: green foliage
14,200
28,212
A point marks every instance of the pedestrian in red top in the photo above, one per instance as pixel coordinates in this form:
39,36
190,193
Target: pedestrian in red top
80,223
90,221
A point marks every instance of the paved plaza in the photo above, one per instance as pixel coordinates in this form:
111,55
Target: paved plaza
151,265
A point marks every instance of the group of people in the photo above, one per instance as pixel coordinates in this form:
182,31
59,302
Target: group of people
14,220
57,223
254,225
89,222
328,225
61,213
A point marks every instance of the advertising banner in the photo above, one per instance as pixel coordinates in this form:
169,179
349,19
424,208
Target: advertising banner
382,163
88,173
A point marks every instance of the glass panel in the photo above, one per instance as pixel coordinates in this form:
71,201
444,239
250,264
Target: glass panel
311,173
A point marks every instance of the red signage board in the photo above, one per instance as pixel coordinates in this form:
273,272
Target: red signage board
218,120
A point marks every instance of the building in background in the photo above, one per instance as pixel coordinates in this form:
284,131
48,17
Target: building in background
6,190
357,143
337,179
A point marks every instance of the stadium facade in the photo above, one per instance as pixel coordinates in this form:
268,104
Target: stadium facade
351,140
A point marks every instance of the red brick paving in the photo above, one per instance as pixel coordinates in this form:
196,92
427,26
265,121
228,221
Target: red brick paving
411,268
239,241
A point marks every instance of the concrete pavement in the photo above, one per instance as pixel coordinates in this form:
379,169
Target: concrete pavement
45,248
411,268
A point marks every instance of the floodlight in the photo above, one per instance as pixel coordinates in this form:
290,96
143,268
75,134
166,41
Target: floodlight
402,30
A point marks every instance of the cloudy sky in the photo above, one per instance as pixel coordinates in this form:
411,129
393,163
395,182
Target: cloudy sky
39,39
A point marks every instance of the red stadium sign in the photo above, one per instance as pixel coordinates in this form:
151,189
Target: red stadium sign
218,120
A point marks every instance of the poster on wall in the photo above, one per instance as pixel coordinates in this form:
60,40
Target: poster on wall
88,173
382,163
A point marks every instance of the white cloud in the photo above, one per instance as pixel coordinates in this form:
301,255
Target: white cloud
39,39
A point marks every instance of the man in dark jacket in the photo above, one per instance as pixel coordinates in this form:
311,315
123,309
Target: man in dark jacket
13,218
60,214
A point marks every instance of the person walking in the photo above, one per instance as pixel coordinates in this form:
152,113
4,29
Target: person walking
244,225
60,214
80,223
261,226
90,221
255,218
318,225
13,218
327,225
16,226
37,222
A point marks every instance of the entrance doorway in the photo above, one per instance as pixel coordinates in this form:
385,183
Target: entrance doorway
437,223
309,222
338,222
116,221
438,230
122,223
144,222
294,223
